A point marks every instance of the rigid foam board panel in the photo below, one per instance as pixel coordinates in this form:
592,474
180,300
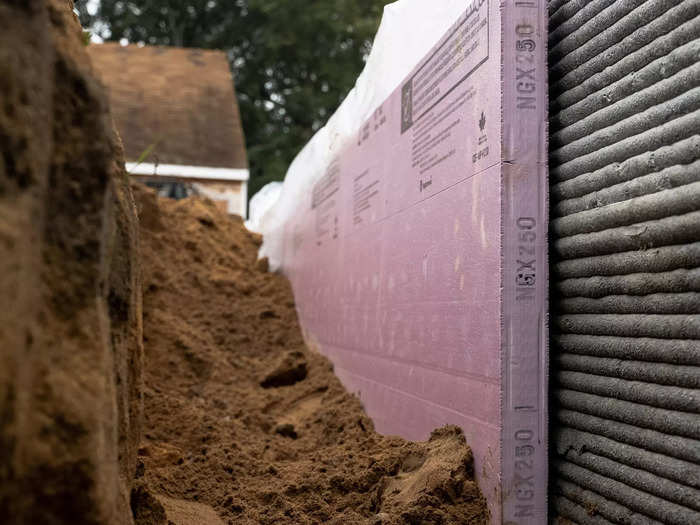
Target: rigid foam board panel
418,260
625,196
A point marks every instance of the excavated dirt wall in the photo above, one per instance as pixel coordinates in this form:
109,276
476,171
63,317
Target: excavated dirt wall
70,316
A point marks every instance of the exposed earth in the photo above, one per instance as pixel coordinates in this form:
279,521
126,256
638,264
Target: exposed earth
240,415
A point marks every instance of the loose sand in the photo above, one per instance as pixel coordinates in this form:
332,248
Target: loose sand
243,419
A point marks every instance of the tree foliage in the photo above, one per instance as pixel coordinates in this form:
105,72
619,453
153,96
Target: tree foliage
293,60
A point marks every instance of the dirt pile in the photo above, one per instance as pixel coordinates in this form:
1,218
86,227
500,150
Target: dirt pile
70,314
243,419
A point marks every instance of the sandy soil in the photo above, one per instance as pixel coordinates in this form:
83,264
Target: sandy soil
241,417
70,311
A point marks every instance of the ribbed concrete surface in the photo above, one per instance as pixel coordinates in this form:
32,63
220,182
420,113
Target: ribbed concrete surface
625,172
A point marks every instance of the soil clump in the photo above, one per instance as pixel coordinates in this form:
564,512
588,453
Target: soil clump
243,419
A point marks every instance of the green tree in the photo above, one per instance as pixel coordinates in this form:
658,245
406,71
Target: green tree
293,60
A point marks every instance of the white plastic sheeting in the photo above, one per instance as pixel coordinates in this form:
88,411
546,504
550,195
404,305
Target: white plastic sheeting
260,203
408,30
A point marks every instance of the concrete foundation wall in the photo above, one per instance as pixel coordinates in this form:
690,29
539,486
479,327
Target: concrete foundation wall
625,196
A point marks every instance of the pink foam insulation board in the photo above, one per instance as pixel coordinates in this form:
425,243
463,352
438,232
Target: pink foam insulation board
419,260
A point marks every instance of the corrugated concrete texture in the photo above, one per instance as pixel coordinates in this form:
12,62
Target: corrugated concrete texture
625,204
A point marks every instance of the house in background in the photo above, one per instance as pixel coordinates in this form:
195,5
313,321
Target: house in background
180,105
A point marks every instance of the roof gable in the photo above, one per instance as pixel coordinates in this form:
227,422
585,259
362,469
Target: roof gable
181,100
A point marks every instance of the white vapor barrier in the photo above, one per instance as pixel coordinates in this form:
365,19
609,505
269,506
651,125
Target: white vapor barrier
260,203
408,30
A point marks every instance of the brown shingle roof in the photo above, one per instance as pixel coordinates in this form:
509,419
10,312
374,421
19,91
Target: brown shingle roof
182,99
